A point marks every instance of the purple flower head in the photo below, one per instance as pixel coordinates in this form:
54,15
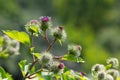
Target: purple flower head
45,18
34,21
61,66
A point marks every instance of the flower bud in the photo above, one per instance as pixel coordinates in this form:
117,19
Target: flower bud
33,27
114,73
98,67
45,22
74,50
61,66
56,67
101,75
113,61
46,58
33,22
45,18
59,33
82,73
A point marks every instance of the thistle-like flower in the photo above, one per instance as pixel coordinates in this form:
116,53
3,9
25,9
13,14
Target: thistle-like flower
10,46
98,67
45,18
74,50
14,47
33,27
46,58
59,33
45,22
61,66
34,22
113,72
101,75
109,77
113,61
56,67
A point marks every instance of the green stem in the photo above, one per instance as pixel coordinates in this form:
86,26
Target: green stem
32,44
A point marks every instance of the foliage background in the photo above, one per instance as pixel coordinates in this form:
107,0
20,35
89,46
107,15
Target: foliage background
94,24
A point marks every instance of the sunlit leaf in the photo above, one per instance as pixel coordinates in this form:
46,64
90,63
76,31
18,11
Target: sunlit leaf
1,41
118,78
34,28
32,49
60,41
108,66
2,71
22,66
20,36
4,55
72,58
37,55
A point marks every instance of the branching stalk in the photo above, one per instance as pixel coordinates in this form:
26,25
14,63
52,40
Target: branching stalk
50,46
46,37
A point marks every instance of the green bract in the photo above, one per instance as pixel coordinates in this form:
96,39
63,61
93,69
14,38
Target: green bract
33,27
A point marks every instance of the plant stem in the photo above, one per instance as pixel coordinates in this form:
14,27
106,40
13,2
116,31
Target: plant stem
46,38
32,44
34,73
58,57
50,46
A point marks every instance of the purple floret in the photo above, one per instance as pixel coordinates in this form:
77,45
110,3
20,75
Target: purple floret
45,18
61,66
34,21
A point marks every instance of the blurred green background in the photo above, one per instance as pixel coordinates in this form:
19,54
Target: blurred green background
94,24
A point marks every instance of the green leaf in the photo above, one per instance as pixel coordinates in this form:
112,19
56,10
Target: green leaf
34,28
25,67
20,36
37,55
71,75
1,41
32,49
4,55
118,78
57,76
47,75
67,76
60,41
4,75
108,66
72,58
22,66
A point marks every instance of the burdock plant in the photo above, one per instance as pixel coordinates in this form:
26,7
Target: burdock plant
108,72
50,67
